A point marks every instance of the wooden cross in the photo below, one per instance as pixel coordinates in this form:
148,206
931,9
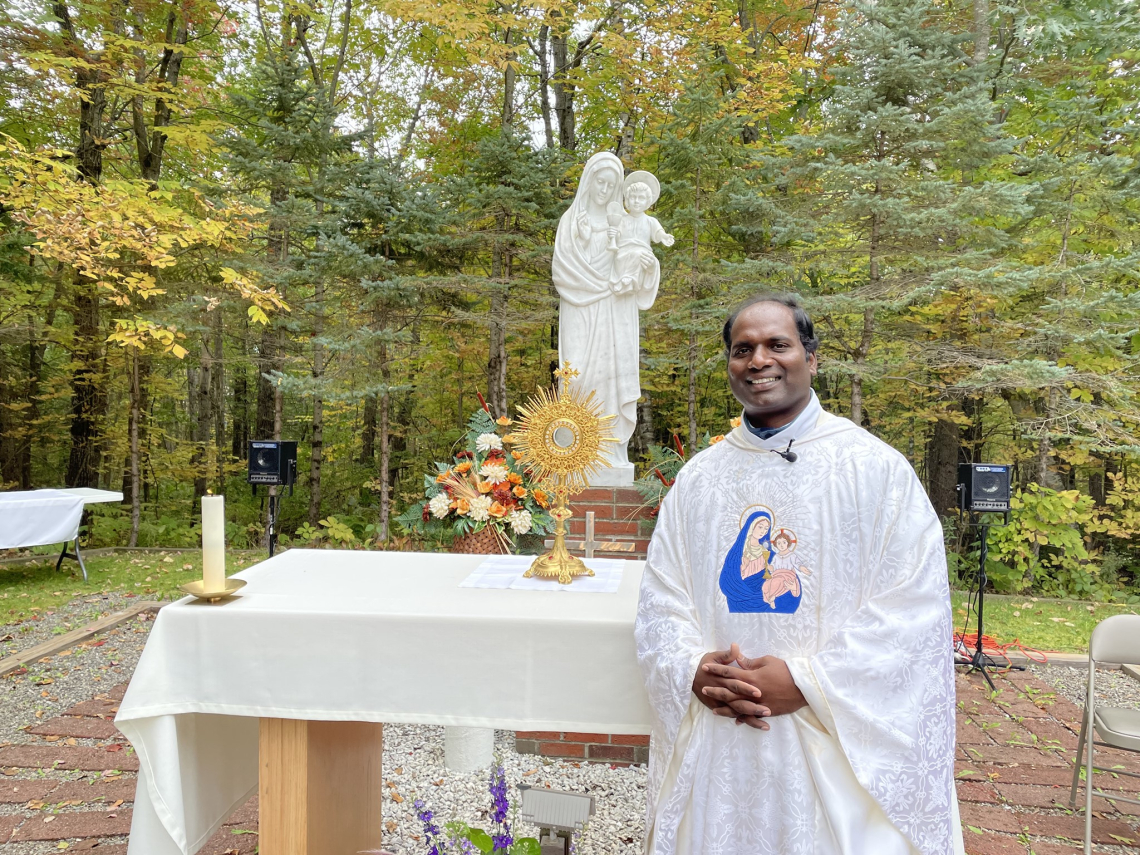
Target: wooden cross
590,544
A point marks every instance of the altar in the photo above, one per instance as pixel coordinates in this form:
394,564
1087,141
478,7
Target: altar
343,636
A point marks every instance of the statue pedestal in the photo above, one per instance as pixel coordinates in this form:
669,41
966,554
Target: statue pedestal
614,476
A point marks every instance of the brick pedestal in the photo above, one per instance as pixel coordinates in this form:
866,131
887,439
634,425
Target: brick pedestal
613,748
620,516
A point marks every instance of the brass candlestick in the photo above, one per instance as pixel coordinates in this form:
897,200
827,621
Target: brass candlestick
561,436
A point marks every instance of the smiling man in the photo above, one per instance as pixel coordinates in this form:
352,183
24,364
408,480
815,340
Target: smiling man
794,629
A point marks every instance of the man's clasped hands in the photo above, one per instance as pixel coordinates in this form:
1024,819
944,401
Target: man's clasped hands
748,690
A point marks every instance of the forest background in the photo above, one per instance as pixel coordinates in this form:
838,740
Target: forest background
333,223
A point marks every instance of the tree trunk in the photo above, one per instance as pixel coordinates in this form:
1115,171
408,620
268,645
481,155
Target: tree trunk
136,490
203,413
86,388
278,412
694,292
509,75
385,445
316,456
218,392
562,85
544,82
9,445
368,431
981,31
497,361
942,455
240,411
643,430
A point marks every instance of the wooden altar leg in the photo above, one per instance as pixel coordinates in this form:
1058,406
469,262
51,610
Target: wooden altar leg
319,787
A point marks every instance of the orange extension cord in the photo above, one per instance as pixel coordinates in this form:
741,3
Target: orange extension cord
965,643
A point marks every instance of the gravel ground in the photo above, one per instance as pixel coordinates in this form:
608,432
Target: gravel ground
68,616
1113,687
74,675
414,768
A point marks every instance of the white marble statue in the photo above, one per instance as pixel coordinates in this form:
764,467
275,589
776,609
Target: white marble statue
605,273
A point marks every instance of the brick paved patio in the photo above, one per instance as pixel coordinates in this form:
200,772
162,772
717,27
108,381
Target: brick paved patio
73,780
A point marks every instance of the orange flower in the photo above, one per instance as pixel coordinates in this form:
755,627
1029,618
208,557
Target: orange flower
503,420
515,478
442,476
716,439
496,510
510,439
463,467
520,492
735,422
485,486
542,499
517,455
462,506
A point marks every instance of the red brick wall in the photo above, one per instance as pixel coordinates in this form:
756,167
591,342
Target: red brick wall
618,515
613,748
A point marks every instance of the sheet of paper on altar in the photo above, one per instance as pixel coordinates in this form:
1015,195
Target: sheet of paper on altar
506,571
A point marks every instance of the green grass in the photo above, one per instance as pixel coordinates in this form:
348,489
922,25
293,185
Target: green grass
1060,625
28,588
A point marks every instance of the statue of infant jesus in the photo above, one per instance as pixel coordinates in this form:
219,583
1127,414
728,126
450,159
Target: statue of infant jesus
631,231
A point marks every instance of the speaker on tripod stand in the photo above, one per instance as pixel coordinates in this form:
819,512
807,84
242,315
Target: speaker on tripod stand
983,488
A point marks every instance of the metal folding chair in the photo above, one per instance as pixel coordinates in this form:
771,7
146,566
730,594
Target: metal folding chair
1116,641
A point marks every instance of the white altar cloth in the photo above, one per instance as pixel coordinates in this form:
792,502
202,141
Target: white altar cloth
360,636
506,571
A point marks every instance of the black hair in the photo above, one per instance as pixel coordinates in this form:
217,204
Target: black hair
804,325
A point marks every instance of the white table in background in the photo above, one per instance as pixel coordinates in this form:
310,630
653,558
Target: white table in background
320,637
43,517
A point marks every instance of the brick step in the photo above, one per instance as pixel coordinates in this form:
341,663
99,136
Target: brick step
638,553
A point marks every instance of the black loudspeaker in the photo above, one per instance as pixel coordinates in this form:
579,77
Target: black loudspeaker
272,462
983,487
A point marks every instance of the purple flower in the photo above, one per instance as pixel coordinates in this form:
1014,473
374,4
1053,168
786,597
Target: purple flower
501,840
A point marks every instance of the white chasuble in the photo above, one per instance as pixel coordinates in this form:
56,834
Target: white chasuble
834,563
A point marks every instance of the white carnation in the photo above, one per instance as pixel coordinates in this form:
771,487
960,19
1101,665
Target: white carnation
489,442
440,505
520,521
496,473
480,508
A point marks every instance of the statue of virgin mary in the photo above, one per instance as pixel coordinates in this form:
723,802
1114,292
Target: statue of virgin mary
598,327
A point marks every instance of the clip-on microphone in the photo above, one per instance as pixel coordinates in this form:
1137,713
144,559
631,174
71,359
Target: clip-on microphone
787,453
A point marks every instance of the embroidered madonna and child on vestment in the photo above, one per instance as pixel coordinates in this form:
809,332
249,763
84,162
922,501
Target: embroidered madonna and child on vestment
794,630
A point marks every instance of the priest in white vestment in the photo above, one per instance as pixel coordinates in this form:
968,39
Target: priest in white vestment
794,630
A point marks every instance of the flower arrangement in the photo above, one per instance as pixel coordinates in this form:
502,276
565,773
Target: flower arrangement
458,838
664,464
485,486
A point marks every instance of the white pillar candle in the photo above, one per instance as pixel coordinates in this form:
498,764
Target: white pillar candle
214,542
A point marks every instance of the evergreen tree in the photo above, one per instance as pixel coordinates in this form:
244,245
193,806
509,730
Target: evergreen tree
892,200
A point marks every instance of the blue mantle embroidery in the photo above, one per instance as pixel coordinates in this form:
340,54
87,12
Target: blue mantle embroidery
753,549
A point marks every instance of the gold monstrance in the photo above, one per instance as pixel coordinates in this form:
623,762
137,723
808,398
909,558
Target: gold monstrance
560,436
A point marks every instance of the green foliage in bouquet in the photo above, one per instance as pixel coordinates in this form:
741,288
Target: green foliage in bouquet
664,463
485,485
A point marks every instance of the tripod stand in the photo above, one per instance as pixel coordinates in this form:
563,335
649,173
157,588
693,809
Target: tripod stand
979,661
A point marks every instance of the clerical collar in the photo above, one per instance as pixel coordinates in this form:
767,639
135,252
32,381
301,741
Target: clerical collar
798,427
763,433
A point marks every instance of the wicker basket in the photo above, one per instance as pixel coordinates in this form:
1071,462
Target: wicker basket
482,542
